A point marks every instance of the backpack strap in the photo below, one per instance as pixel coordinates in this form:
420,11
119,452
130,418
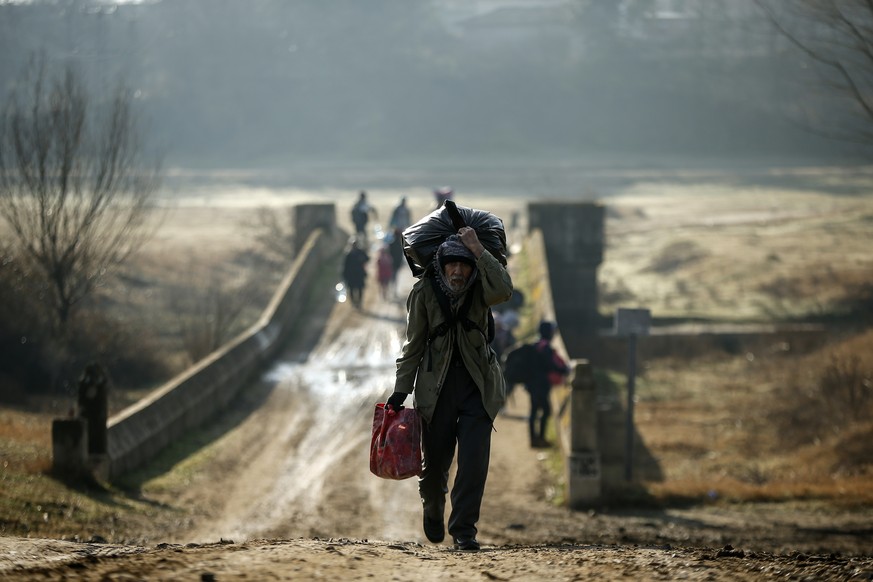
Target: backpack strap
443,328
451,318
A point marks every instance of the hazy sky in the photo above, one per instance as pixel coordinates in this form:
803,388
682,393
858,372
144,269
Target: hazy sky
266,83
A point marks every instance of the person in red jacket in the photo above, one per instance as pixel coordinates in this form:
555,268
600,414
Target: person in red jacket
385,271
551,369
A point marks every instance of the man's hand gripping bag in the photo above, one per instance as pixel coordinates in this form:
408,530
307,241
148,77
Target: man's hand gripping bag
395,447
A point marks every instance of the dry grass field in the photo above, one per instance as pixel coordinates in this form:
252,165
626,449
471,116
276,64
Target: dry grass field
770,422
713,252
781,419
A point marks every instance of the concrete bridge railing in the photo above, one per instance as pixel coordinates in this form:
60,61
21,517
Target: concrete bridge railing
141,431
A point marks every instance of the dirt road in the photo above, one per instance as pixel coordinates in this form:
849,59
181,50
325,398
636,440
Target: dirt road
287,495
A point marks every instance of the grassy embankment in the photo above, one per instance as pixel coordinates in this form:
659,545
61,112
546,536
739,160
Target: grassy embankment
754,420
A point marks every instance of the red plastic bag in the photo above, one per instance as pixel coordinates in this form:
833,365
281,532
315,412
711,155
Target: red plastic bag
395,448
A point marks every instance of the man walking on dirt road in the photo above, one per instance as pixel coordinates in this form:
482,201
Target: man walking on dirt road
459,388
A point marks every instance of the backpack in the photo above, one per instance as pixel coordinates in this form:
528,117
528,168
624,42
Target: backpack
522,364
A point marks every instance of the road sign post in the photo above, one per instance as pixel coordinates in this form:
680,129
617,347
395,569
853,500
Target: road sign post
631,323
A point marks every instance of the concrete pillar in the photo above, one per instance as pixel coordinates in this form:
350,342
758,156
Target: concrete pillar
573,236
583,461
70,446
310,217
612,431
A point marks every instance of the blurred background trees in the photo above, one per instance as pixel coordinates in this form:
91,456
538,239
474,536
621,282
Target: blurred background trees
835,38
271,84
75,197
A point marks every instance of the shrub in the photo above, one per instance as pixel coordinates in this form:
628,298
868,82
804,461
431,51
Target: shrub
828,395
210,313
35,362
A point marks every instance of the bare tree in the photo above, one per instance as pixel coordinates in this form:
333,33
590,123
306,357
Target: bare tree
210,311
74,190
837,37
273,233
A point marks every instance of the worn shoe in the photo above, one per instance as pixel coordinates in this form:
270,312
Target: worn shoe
540,443
467,544
434,528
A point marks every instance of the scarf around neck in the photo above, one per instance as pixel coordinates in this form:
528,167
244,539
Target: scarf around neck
454,296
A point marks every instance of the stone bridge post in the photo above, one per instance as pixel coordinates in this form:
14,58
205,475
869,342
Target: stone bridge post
573,234
310,217
583,478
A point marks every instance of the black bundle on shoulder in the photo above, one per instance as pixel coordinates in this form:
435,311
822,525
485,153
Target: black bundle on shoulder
422,239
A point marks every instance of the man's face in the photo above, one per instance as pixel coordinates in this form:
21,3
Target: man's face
457,273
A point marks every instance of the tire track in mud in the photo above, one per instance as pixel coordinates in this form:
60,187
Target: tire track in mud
305,470
343,381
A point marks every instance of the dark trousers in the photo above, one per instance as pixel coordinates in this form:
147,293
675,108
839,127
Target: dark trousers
356,294
459,418
540,411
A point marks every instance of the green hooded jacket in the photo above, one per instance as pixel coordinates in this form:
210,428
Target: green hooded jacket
424,359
